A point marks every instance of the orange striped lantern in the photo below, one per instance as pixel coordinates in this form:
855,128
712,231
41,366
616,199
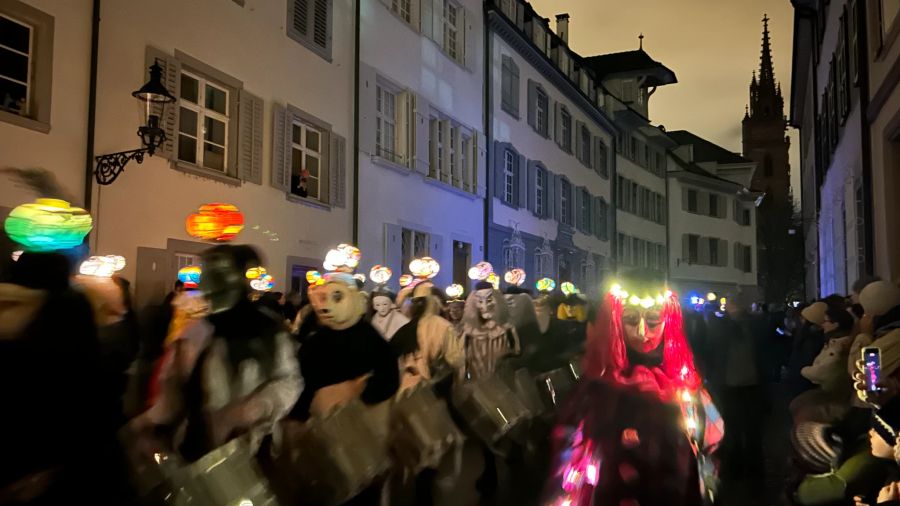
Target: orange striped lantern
215,222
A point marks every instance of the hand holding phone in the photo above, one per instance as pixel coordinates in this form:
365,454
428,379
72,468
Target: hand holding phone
871,357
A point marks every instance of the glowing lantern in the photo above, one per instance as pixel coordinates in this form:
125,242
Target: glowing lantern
215,222
617,291
515,277
568,288
545,285
314,278
48,225
380,274
455,291
425,267
711,296
494,280
360,277
480,271
263,283
190,276
255,272
352,253
102,266
405,280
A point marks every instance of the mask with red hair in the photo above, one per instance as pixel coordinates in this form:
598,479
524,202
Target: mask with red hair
638,339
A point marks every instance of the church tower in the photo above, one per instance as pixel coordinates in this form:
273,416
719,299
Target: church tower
766,143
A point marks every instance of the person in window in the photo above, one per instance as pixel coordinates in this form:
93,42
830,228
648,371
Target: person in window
638,428
301,184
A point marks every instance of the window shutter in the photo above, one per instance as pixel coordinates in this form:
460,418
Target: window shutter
522,181
723,253
685,249
576,131
737,250
481,165
703,250
171,78
736,210
597,220
549,194
470,41
557,197
393,247
579,219
402,118
281,148
557,124
532,182
427,19
250,118
499,154
445,159
515,86
432,20
337,164
703,203
367,108
532,104
684,198
321,35
434,168
419,134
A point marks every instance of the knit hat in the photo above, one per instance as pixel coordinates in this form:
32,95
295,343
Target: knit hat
884,430
815,313
879,297
886,421
816,445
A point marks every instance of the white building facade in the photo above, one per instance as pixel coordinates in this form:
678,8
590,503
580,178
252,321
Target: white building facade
421,142
551,160
250,121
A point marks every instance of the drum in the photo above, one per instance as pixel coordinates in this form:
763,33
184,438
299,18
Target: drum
228,475
490,408
337,456
556,384
523,385
422,429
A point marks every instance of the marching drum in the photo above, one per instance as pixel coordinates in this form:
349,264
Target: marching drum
422,429
556,384
524,386
490,408
337,456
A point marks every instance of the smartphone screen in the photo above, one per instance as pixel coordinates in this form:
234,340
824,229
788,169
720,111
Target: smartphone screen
872,361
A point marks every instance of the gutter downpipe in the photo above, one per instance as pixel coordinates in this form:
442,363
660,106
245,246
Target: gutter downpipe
92,107
356,125
862,59
488,131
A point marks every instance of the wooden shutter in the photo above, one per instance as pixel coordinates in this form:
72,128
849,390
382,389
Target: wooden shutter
522,181
549,194
402,126
532,182
393,247
703,203
598,217
171,78
250,132
480,165
337,163
685,248
515,86
532,104
432,20
499,167
368,89
470,42
281,148
576,132
445,158
557,197
321,35
579,219
723,253
703,251
434,168
419,134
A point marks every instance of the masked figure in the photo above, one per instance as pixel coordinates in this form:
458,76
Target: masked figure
488,335
639,428
386,319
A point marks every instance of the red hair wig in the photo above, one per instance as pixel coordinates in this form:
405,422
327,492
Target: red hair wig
606,358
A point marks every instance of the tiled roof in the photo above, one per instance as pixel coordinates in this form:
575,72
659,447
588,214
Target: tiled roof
705,151
630,61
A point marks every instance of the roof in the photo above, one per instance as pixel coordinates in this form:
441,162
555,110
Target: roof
627,62
705,151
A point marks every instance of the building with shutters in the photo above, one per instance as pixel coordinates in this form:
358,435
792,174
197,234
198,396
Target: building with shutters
551,162
712,219
249,121
630,78
421,135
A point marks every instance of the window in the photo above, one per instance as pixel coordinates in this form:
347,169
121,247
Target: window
203,123
565,201
620,183
508,7
465,164
462,259
565,129
692,201
509,86
509,178
585,210
585,155
452,154
713,205
693,249
603,220
747,258
306,160
385,125
309,23
26,65
542,107
414,244
635,191
540,185
452,37
602,161
403,8
713,251
745,217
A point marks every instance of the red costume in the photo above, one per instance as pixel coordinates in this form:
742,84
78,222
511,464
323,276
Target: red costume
639,428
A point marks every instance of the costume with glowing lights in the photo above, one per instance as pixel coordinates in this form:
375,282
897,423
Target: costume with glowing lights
638,428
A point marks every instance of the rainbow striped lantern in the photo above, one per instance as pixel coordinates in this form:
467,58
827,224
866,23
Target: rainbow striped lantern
424,268
405,280
215,222
481,271
454,291
190,276
380,274
515,277
568,288
102,266
264,283
545,285
48,225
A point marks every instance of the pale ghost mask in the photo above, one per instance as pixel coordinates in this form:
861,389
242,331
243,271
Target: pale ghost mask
382,305
484,302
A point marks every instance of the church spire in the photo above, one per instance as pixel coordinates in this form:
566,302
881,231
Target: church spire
766,101
766,73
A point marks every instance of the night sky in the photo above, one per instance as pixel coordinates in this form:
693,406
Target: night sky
712,45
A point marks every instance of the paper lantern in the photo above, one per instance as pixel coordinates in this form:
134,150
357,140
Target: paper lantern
48,225
263,283
568,288
480,271
455,291
545,285
380,274
494,280
314,277
215,222
352,254
360,277
711,296
102,266
515,277
255,272
405,280
425,267
190,276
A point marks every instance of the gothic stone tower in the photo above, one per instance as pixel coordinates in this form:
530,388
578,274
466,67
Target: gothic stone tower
766,143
